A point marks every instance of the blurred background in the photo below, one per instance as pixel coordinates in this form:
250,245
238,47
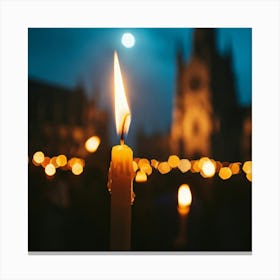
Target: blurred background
189,92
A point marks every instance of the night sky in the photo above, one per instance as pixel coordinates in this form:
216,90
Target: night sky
68,56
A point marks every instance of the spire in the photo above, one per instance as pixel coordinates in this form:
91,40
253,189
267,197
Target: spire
204,43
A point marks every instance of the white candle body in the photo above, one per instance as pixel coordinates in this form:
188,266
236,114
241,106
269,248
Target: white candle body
121,173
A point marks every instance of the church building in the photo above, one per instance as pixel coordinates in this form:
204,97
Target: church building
207,119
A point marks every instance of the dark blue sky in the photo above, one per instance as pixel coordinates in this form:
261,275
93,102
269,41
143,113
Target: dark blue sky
66,56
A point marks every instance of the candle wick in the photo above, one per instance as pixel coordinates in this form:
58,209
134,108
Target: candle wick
122,131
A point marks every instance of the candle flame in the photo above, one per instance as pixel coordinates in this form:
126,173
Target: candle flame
122,112
184,196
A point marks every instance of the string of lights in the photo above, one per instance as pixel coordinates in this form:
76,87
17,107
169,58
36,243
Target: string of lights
205,166
50,164
143,167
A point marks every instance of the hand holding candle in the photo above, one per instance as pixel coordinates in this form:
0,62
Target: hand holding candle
121,170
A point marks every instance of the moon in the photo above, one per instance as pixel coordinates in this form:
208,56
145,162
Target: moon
128,40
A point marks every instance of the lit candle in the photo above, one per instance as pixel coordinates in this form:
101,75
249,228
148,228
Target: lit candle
121,170
184,202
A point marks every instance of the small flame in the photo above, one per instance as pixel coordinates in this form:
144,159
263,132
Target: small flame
184,196
122,112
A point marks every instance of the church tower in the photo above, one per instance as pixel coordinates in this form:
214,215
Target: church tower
192,125
206,117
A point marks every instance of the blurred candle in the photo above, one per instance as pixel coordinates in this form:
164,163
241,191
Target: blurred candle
184,202
141,177
121,170
184,199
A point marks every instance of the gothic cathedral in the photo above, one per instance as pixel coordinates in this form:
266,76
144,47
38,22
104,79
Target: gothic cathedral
207,120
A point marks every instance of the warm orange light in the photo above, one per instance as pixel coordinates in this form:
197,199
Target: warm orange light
184,195
141,177
53,161
45,162
164,167
173,161
235,167
195,166
146,168
135,166
71,162
184,165
122,112
92,144
50,169
77,168
201,162
61,160
38,157
142,162
184,199
154,163
225,173
136,159
247,167
75,160
208,168
249,176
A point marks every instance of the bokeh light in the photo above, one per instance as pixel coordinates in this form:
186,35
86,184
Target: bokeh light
247,167
195,166
140,177
173,161
92,144
201,162
225,173
249,176
208,168
146,168
45,162
77,168
235,167
50,169
38,157
142,162
61,160
164,167
184,165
